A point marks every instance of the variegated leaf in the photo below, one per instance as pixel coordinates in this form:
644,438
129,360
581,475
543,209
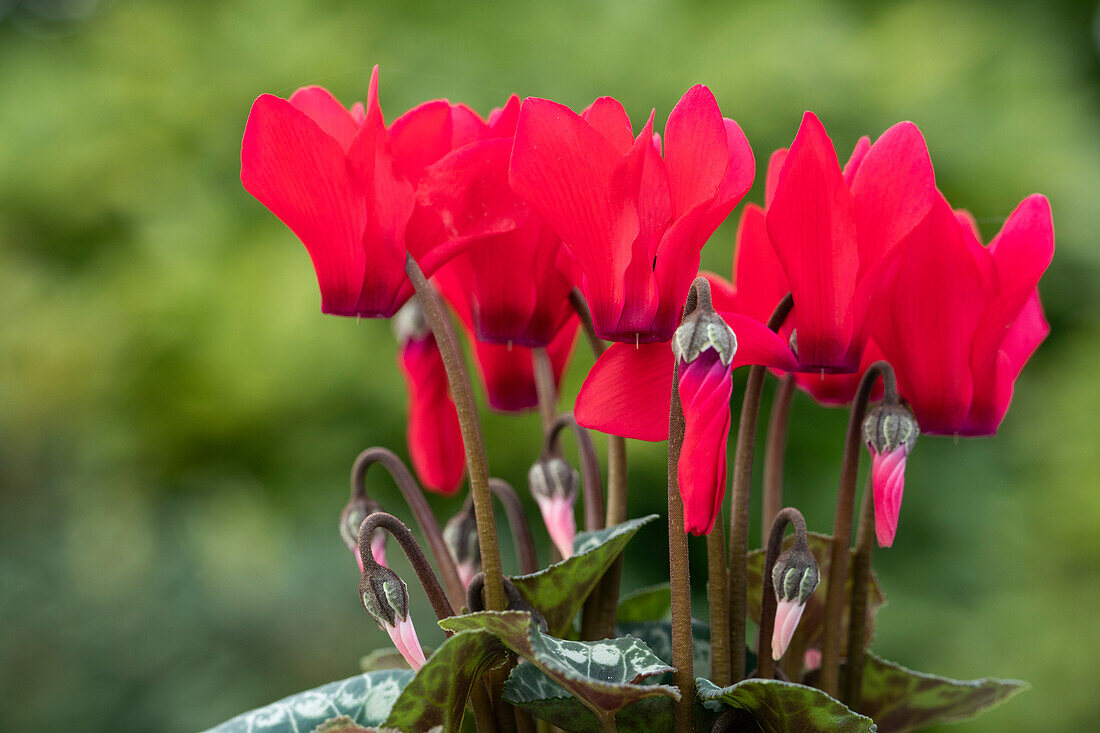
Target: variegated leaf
560,590
366,699
784,707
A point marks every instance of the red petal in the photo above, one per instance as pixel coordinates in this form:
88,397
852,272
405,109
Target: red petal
628,391
758,275
840,389
300,173
469,187
563,168
697,152
607,117
435,439
758,344
775,165
467,126
858,154
811,224
892,190
502,121
420,137
705,389
323,108
927,327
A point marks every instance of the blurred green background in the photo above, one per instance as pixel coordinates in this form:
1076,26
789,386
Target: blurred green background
177,418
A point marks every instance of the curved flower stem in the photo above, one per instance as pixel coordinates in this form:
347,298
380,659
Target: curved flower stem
679,575
545,387
590,466
404,537
774,449
476,461
765,665
741,484
517,520
616,444
842,526
861,584
414,497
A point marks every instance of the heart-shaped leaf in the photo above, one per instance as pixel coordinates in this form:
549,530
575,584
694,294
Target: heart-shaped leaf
901,700
810,628
603,675
528,688
645,604
366,699
784,707
437,694
657,635
559,591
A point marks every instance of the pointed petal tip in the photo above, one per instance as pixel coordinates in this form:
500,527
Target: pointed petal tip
787,616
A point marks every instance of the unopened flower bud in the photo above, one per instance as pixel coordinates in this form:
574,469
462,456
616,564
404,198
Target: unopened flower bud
386,598
704,329
410,323
890,431
794,578
358,509
889,427
460,536
554,484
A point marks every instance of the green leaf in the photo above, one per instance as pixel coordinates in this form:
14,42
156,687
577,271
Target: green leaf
560,590
657,635
811,626
603,675
900,699
784,707
437,694
366,699
645,604
342,724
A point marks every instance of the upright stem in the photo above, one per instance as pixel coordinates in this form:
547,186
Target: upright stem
742,480
718,593
545,387
608,591
414,497
616,444
517,520
404,537
476,461
679,575
861,585
773,452
842,527
765,665
591,484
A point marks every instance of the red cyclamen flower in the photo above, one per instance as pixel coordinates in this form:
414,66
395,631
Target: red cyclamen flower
507,372
515,275
345,184
628,392
831,232
634,220
434,435
961,320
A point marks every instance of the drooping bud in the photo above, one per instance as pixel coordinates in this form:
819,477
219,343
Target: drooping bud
358,509
890,432
794,578
704,346
554,484
703,329
386,598
410,322
460,535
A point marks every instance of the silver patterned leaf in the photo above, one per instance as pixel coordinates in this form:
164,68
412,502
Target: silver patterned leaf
366,699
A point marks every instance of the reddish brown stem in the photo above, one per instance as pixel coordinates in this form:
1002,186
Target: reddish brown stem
774,449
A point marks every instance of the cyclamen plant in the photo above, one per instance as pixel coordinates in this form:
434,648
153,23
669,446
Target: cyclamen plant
855,284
